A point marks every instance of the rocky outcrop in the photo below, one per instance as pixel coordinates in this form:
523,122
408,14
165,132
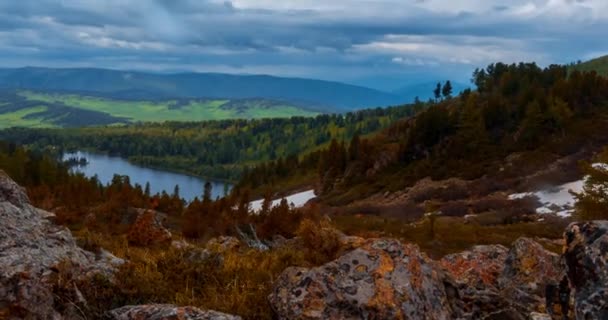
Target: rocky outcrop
166,312
493,279
33,251
586,257
528,269
382,279
478,267
148,229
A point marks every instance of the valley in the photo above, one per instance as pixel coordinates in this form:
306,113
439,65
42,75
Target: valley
303,160
55,110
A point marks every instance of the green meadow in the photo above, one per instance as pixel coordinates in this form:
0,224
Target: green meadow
140,110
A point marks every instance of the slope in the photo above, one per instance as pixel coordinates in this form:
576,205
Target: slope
126,84
599,65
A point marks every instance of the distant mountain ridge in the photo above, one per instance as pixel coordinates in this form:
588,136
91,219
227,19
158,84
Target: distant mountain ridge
132,84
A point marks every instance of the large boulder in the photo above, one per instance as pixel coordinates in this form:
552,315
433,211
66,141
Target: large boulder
148,229
528,270
33,251
478,267
586,257
166,312
493,280
382,279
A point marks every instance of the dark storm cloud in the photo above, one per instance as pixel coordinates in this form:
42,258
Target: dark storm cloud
349,40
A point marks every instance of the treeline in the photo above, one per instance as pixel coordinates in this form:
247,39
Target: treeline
517,108
81,202
214,149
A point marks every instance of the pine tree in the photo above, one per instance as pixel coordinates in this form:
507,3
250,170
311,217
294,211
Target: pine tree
354,148
176,191
437,92
560,114
592,203
531,126
447,90
147,189
472,134
207,192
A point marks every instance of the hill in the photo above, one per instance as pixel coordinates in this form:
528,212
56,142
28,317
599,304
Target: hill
140,85
424,91
599,65
52,109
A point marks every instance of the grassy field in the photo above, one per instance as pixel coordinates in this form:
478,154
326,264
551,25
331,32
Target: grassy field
46,110
170,110
20,118
599,65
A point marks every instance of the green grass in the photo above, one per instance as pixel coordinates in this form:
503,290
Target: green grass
158,111
599,65
17,119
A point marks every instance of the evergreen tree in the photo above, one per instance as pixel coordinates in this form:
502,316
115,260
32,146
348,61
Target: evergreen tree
176,191
560,113
437,92
207,192
447,90
472,134
147,189
531,126
592,203
354,148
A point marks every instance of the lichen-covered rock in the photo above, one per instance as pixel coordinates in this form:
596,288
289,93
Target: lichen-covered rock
382,279
528,269
478,267
495,280
32,251
166,312
586,256
11,192
148,230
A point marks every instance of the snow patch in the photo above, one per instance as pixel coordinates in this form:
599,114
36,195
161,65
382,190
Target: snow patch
557,200
296,200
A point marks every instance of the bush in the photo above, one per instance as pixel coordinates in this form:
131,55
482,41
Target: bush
320,239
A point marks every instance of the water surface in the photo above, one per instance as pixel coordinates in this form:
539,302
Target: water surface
105,167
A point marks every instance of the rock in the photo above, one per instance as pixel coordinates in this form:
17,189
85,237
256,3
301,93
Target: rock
180,244
528,269
493,280
586,257
539,316
479,267
382,279
11,192
32,252
148,229
166,312
223,244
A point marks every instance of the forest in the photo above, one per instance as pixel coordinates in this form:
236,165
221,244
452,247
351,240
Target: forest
213,149
518,108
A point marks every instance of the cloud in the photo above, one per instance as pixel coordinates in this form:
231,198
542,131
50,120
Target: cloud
347,40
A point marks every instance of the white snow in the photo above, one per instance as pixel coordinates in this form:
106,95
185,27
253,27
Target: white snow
557,200
296,200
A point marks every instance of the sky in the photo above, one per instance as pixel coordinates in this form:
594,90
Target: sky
383,44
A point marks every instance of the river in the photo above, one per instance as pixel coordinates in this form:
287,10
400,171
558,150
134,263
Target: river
105,167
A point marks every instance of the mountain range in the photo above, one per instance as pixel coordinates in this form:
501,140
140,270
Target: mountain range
139,85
